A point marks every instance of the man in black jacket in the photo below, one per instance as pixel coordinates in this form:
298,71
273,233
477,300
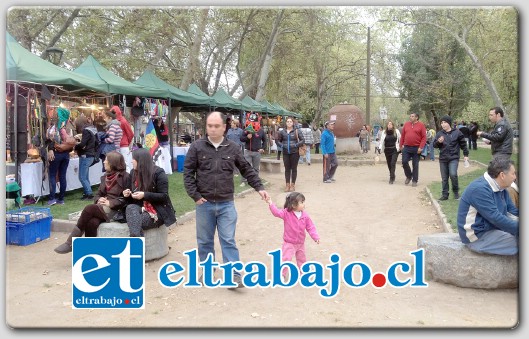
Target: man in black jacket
254,146
86,152
501,138
450,142
208,179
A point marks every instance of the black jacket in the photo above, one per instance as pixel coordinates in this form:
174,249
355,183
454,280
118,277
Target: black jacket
87,146
158,196
288,143
257,142
501,138
450,148
208,171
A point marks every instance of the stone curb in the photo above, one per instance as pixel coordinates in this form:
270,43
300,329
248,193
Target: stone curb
66,226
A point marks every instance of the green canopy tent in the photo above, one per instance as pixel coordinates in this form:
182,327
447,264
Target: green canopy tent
254,105
224,100
270,108
115,84
194,89
26,69
286,112
24,66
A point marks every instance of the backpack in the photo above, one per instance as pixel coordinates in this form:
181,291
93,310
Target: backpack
97,145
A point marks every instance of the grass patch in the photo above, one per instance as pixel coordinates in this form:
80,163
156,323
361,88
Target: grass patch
182,203
450,206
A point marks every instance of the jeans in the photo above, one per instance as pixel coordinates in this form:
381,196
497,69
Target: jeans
60,165
495,242
317,147
84,178
139,221
307,155
330,164
254,158
449,169
431,150
221,216
410,153
474,143
137,128
391,159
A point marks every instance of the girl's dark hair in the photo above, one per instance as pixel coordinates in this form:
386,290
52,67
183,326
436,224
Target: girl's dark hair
116,161
144,170
292,200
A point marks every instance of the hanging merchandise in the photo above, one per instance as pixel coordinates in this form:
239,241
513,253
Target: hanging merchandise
160,108
165,108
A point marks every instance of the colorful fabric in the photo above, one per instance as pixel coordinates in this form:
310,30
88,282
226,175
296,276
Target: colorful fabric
151,141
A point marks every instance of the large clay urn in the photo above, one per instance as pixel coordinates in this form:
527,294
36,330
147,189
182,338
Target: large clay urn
349,120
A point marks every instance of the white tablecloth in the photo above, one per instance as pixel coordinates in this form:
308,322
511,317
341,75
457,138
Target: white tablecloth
31,177
177,150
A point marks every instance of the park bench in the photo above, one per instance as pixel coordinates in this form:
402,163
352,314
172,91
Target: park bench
155,238
270,165
449,261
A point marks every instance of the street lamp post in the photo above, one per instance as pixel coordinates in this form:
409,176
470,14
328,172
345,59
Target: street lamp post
368,78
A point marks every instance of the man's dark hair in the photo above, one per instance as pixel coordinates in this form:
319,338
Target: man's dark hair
498,165
497,110
417,114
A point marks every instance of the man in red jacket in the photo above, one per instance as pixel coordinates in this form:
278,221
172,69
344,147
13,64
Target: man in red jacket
413,138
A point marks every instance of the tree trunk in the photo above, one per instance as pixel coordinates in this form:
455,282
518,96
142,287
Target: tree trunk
194,55
265,68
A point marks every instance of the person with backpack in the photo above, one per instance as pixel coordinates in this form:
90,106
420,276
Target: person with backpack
86,150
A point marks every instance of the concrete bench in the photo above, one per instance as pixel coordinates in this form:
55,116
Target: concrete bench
155,238
270,165
449,261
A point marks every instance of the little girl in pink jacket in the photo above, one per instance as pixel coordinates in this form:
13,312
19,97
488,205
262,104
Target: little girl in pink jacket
296,221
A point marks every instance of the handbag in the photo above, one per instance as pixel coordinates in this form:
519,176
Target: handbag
301,149
120,217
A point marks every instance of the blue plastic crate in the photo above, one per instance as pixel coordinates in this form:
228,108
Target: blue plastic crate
27,214
28,225
27,234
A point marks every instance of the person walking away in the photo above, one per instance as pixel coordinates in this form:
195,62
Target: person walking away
330,161
107,201
430,137
501,138
147,196
296,222
126,138
211,187
317,138
234,134
465,130
289,140
412,142
364,134
86,150
136,113
390,145
487,219
254,146
450,143
308,141
112,137
59,143
473,142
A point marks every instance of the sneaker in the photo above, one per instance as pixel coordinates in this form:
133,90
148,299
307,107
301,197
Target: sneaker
443,198
456,196
391,181
242,184
414,184
328,181
60,202
333,180
236,175
308,163
87,197
52,202
407,181
237,279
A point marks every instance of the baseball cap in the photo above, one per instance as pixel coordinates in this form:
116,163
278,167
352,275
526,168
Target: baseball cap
330,122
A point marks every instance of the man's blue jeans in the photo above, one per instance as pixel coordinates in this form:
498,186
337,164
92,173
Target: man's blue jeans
431,149
221,216
84,178
449,169
410,153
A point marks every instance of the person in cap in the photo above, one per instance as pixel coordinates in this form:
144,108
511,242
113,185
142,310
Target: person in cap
330,161
450,142
412,142
487,219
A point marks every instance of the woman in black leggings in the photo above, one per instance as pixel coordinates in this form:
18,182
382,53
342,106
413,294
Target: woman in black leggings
289,140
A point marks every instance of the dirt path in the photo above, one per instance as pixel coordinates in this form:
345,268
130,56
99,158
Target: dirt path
360,217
